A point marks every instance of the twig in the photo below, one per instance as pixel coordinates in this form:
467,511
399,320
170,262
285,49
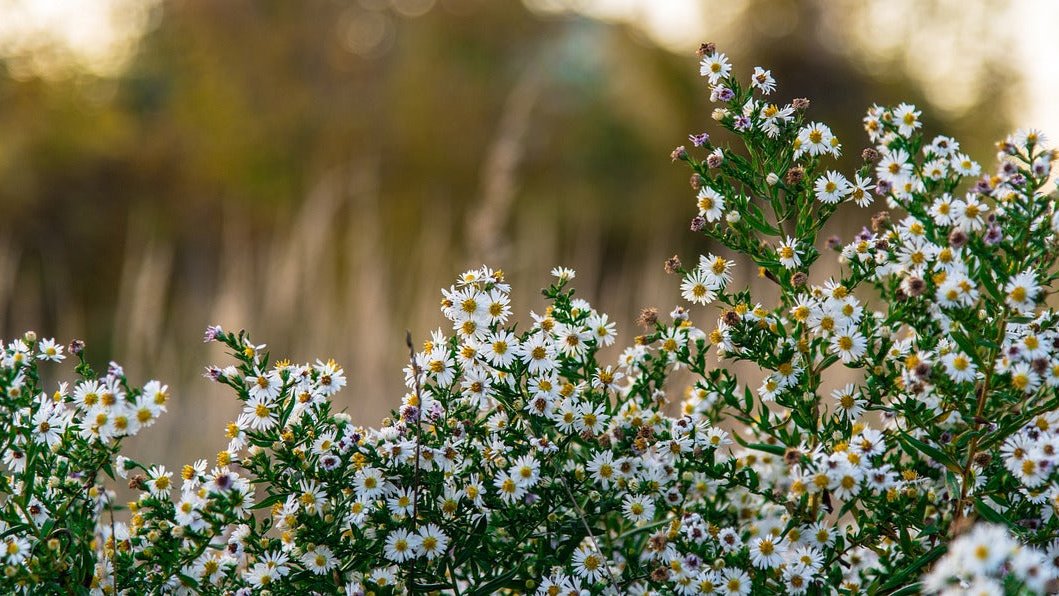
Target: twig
415,478
595,543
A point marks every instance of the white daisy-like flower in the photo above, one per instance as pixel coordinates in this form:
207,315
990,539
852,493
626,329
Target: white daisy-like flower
432,541
710,204
788,253
715,67
698,287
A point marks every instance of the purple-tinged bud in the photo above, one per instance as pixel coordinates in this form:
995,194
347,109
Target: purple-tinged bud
409,413
76,347
705,49
800,103
679,153
212,332
957,238
697,223
696,182
993,235
870,155
714,159
213,373
700,139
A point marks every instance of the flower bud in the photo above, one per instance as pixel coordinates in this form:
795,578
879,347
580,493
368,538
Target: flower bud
719,114
733,217
957,238
679,153
696,182
673,264
705,49
698,223
715,159
772,179
800,103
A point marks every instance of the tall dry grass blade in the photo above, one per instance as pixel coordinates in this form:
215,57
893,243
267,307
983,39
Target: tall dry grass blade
484,240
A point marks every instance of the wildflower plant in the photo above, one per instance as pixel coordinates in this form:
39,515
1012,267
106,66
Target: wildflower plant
521,461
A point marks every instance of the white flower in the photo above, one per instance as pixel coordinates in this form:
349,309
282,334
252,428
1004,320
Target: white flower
832,188
959,367
907,118
715,67
710,203
767,552
762,80
319,560
159,482
49,350
816,139
638,508
563,274
588,564
788,253
432,541
1022,290
698,288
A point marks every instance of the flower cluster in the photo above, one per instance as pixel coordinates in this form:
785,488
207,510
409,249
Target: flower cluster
59,444
903,436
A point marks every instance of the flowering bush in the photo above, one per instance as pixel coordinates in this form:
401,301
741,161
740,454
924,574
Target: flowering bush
520,462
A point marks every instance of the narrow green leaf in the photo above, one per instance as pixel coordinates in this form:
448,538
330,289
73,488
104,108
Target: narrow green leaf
933,452
990,514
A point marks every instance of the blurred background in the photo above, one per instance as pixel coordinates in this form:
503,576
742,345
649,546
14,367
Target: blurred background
315,171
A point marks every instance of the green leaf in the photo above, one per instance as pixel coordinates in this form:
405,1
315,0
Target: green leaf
990,514
898,579
933,452
498,582
966,345
270,501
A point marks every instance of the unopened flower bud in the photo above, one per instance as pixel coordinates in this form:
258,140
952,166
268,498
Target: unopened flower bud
679,153
715,159
772,179
30,337
733,217
648,317
799,279
697,223
880,221
705,49
76,347
696,182
795,175
870,155
916,285
673,264
719,114
800,103
957,238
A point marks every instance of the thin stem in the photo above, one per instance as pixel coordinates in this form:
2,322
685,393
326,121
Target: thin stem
415,478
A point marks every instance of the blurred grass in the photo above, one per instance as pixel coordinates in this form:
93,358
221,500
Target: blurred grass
263,166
